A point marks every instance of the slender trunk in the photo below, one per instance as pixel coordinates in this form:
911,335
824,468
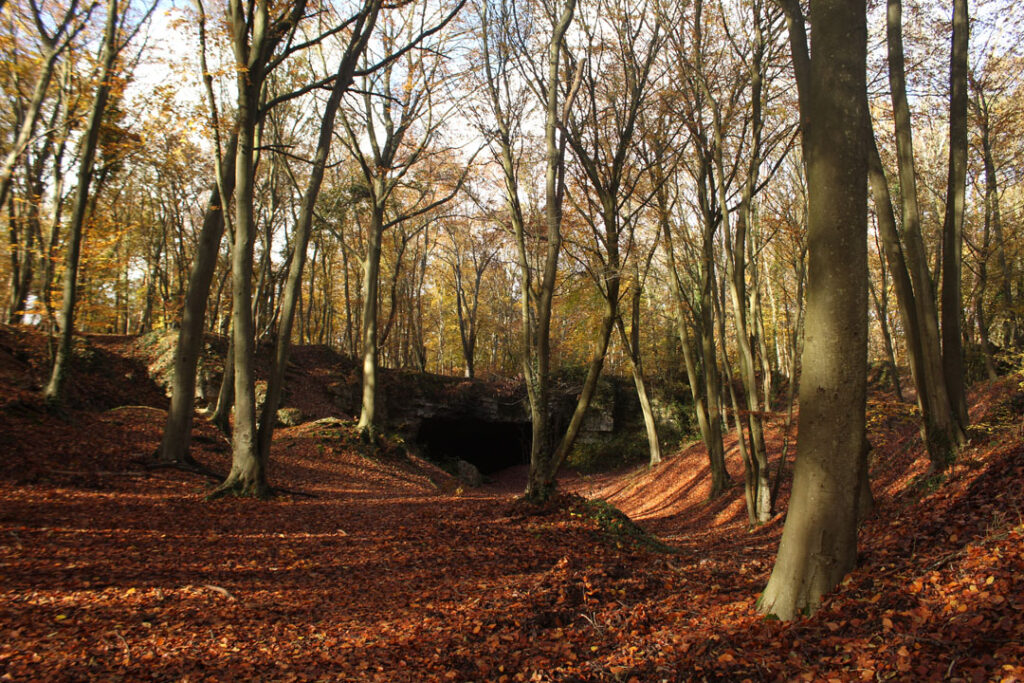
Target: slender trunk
993,217
178,429
537,324
371,277
300,238
953,224
54,391
589,387
221,417
631,343
712,377
944,435
22,258
712,439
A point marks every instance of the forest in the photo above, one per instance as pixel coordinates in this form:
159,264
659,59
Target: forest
574,340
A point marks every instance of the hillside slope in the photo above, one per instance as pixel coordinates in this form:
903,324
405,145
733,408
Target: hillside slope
378,566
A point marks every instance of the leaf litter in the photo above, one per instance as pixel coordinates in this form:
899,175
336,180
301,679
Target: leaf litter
110,570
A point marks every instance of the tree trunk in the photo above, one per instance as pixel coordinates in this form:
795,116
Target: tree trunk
819,541
589,386
248,474
300,238
221,417
711,437
944,434
543,463
178,430
371,277
54,391
632,345
953,224
994,219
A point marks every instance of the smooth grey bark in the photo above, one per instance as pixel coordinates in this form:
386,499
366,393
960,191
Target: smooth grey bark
819,540
759,487
371,282
537,297
54,391
953,223
254,38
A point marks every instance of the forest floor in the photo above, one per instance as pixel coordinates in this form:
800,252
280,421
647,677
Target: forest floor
379,566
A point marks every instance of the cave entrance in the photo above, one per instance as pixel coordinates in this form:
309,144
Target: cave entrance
490,446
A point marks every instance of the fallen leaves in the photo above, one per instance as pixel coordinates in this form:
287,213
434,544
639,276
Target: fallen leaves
384,577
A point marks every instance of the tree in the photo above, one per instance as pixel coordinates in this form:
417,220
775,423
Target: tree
362,25
819,540
953,223
256,32
391,128
469,256
601,131
507,44
943,432
110,47
55,35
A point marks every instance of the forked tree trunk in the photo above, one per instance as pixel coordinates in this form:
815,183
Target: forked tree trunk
537,323
248,473
300,239
944,434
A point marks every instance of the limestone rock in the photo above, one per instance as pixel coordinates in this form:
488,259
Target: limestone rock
468,473
289,417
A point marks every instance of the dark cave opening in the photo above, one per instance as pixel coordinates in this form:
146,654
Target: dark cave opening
490,446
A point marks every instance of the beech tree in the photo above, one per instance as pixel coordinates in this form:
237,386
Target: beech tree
392,127
361,28
613,73
257,31
506,44
819,540
116,35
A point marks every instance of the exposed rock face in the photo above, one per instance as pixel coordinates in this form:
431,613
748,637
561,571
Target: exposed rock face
453,418
290,417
